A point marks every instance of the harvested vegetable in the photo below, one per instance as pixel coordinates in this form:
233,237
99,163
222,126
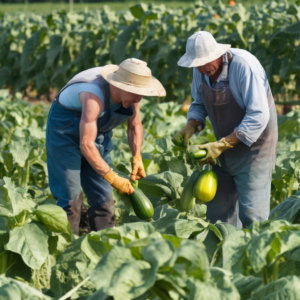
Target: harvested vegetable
206,186
199,154
142,206
187,199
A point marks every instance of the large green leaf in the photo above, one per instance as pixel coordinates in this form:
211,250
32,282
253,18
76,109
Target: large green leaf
54,50
267,247
138,10
246,284
20,150
288,210
118,274
13,200
17,290
220,288
73,266
117,48
31,242
287,288
233,252
54,218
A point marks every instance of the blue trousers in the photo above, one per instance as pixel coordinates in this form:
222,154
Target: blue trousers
68,169
243,194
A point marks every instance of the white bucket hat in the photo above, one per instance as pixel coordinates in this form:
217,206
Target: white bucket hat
133,75
202,48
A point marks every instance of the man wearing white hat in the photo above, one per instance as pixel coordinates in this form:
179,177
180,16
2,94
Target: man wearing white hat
79,132
230,87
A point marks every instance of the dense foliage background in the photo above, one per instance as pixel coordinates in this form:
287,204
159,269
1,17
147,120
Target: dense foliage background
179,255
43,51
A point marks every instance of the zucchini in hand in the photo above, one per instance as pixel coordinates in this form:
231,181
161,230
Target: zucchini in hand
142,206
199,154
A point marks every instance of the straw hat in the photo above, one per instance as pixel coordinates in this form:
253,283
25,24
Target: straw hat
133,75
202,48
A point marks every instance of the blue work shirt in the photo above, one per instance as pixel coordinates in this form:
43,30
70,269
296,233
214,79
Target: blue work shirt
70,96
249,85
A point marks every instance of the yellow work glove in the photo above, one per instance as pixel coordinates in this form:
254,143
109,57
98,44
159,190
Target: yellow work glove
181,138
214,150
138,170
122,185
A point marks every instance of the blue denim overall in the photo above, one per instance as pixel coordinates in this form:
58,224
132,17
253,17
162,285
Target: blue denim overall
244,178
67,167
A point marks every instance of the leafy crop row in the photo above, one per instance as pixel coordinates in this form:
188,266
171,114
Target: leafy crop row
43,51
177,256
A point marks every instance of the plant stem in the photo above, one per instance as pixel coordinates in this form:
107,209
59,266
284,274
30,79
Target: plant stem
23,219
2,170
291,183
27,171
135,184
4,272
21,175
265,276
69,294
275,271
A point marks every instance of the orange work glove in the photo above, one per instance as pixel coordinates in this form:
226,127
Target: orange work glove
122,185
138,170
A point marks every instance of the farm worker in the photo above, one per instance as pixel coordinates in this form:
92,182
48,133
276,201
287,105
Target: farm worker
79,132
230,87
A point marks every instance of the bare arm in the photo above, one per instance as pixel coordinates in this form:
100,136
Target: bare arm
91,109
135,131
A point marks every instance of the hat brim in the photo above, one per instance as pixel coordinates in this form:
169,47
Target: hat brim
155,89
190,62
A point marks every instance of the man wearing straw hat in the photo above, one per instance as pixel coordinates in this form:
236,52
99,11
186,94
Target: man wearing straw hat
230,87
79,132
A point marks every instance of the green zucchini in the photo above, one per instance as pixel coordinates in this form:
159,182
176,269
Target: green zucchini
187,199
205,187
199,154
142,206
178,140
226,228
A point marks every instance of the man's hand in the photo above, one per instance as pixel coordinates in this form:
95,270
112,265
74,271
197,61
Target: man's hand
138,170
181,138
214,150
122,185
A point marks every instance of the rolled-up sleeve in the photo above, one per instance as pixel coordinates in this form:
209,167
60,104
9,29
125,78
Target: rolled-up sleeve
197,109
252,89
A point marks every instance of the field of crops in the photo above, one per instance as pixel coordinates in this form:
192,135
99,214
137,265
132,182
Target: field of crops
46,7
178,255
45,50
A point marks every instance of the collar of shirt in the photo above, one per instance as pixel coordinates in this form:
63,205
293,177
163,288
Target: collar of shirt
224,74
